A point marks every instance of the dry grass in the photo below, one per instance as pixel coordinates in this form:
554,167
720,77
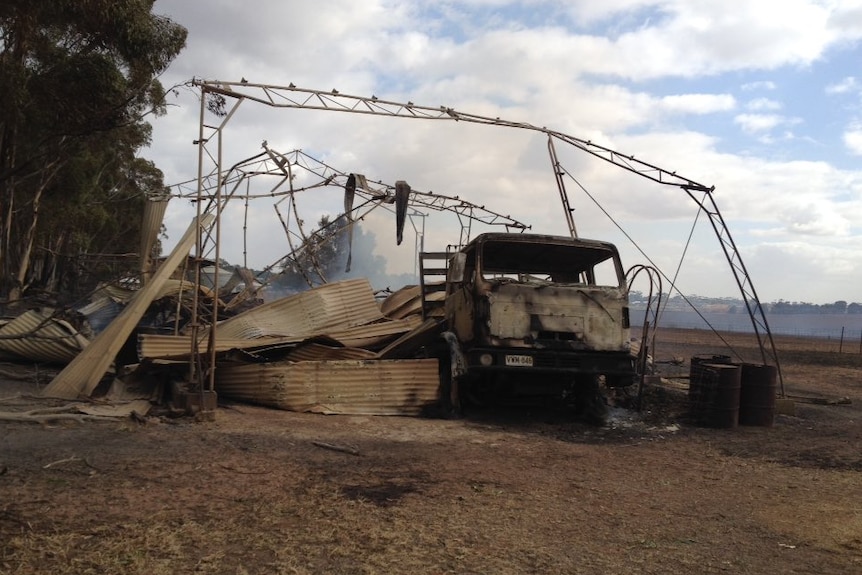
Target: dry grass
498,492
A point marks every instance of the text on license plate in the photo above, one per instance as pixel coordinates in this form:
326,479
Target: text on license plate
522,360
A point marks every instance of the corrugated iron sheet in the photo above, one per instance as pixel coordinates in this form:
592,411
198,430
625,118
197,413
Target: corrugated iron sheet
83,373
151,225
320,352
158,346
403,299
38,337
98,305
123,294
374,334
107,303
407,301
425,334
346,303
101,312
365,387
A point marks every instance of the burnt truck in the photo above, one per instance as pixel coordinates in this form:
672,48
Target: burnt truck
530,317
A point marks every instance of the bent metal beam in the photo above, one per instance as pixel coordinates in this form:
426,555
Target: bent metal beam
81,376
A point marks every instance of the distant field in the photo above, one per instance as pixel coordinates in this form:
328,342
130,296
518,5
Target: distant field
809,365
828,326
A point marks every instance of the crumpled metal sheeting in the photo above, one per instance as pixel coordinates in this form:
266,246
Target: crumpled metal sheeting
373,335
99,305
38,337
108,301
161,346
402,302
83,373
158,346
122,294
345,303
408,345
320,352
407,301
101,312
363,387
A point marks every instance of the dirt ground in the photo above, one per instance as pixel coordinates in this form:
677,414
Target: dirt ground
497,491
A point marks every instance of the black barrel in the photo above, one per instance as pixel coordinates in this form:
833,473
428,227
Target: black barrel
719,395
758,390
696,402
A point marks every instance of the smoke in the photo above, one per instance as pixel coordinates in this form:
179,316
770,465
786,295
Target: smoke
368,264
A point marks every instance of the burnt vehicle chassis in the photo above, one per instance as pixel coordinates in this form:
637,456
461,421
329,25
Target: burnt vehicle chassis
533,318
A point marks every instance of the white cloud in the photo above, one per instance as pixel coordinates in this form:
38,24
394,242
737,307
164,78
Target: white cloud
848,84
763,104
759,85
814,219
800,263
591,12
574,75
853,139
847,17
754,123
709,38
698,103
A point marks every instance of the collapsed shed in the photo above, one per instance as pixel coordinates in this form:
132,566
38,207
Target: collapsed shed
330,349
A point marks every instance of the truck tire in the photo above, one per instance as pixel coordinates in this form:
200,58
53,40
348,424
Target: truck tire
590,405
450,392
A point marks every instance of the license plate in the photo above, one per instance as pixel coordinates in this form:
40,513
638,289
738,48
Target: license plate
519,360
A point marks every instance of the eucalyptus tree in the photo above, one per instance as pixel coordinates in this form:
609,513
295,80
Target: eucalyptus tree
78,79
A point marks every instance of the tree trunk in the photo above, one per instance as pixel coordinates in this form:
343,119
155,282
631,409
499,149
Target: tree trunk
19,287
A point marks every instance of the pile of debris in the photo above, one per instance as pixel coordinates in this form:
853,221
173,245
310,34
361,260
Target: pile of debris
331,349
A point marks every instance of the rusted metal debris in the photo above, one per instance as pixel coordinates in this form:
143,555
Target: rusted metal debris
330,349
84,372
39,336
356,387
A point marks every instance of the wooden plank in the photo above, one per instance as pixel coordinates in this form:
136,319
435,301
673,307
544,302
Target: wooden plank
84,372
434,271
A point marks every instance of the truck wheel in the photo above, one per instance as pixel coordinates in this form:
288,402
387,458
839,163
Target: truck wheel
621,381
595,412
590,403
450,390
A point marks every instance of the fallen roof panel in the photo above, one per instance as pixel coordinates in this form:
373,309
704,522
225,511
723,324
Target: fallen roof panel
408,301
338,304
319,352
84,372
427,333
363,387
38,337
159,346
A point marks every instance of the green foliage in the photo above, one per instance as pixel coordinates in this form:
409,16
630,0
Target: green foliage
77,79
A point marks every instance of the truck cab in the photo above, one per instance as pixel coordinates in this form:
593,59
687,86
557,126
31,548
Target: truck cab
536,316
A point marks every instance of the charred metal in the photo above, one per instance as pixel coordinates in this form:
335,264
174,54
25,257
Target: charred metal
527,305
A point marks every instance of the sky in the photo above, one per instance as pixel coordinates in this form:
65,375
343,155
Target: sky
760,99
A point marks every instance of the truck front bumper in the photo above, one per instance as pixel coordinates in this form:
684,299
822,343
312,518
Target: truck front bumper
515,360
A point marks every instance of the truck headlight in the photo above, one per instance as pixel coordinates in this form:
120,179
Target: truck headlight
486,359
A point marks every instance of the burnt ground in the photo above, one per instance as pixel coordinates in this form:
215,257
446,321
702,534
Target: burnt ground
498,491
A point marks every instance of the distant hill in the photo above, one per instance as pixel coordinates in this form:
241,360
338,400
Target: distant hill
736,305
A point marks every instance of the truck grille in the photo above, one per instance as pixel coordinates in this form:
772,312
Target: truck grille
556,360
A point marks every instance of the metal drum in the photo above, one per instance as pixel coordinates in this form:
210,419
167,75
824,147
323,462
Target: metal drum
757,394
696,402
718,404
